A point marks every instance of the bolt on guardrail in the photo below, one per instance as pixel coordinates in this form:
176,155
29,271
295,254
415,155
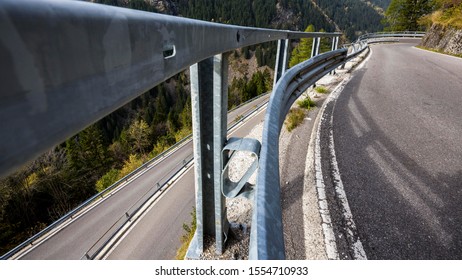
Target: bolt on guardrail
52,99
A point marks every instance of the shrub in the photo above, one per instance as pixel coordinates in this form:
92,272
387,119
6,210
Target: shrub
306,103
107,180
294,118
321,89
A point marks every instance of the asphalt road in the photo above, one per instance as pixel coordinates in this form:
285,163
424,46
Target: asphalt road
157,235
397,131
74,240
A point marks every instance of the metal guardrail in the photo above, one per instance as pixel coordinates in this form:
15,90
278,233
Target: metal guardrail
400,34
91,200
113,230
57,84
267,240
96,248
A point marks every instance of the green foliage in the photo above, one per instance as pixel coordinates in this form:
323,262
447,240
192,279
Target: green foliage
352,16
139,134
133,162
294,118
303,51
404,15
162,144
187,236
448,14
306,103
244,89
321,89
107,180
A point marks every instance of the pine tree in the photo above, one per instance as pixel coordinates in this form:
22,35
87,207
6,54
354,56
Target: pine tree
139,135
303,51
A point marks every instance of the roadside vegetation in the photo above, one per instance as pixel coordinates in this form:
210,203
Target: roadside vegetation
321,89
296,115
446,13
95,158
414,15
187,236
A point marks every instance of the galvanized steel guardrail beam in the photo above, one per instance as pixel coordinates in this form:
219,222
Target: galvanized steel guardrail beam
400,34
67,64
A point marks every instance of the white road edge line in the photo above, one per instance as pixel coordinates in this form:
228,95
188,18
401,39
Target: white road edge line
139,215
130,225
85,210
328,231
443,54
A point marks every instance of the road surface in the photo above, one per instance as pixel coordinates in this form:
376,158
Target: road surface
397,129
157,235
74,240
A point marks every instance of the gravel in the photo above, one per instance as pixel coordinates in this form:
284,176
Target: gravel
239,210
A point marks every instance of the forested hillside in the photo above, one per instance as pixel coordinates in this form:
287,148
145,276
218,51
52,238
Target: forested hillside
90,161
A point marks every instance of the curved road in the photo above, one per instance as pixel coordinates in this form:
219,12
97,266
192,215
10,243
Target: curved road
157,235
75,239
397,129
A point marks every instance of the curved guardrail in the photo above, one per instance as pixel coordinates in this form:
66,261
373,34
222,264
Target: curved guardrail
267,240
400,34
118,224
57,83
69,63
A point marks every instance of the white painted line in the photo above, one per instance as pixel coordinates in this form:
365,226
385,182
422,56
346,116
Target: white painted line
358,250
144,210
148,205
327,227
433,52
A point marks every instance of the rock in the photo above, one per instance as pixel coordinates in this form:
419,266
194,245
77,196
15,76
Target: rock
446,39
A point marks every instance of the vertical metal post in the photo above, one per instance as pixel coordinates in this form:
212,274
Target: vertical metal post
220,128
315,50
281,60
315,47
334,47
209,114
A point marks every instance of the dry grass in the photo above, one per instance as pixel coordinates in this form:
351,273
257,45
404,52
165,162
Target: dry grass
449,17
294,118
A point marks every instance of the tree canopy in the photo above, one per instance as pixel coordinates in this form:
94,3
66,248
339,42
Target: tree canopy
404,15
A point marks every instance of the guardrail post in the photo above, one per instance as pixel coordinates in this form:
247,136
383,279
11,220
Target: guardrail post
315,47
209,111
334,47
281,60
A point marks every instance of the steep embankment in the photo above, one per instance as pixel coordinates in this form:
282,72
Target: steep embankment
445,39
445,33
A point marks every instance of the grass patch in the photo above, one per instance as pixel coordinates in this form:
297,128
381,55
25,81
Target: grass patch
294,118
439,51
187,237
306,103
321,89
451,16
